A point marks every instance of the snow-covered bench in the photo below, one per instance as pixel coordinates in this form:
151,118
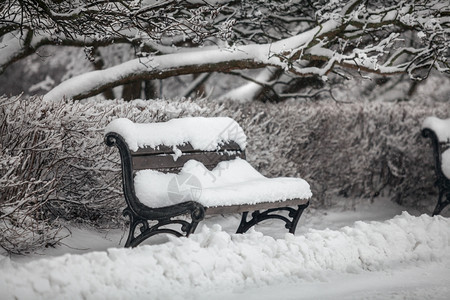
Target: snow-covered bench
438,131
196,167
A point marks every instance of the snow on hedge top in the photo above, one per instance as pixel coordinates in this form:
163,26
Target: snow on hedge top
439,126
202,133
229,183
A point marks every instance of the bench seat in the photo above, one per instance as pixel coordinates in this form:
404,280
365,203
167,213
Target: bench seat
233,182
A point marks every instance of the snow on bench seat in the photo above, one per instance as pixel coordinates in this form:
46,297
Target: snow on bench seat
202,133
233,182
445,156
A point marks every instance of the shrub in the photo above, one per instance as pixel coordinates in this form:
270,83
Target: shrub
54,165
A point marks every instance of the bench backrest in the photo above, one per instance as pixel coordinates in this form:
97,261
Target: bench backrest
438,130
167,159
440,127
169,145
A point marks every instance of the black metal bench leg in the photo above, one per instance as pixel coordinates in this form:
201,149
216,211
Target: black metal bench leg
441,204
134,223
243,225
257,217
146,231
296,217
130,235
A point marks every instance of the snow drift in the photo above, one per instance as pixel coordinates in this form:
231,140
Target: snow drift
186,268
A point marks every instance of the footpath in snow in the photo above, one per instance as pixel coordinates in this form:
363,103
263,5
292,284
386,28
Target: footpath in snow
216,264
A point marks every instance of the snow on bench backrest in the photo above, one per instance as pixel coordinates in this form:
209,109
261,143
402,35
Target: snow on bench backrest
205,134
440,127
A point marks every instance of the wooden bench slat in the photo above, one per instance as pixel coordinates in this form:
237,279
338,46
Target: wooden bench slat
162,149
209,159
233,209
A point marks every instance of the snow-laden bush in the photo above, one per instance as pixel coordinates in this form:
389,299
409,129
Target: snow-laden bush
54,164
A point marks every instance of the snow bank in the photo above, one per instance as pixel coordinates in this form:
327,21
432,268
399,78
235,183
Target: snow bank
202,133
186,268
231,182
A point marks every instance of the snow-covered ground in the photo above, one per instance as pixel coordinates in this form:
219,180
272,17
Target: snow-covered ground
354,250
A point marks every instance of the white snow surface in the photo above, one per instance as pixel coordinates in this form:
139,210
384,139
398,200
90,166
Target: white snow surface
229,183
440,126
405,257
202,133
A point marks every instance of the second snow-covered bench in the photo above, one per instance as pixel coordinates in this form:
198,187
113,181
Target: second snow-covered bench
438,130
196,167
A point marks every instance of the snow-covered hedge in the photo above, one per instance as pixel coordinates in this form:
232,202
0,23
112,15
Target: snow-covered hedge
54,163
347,149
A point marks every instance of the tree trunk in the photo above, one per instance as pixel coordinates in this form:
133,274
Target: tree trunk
150,89
98,65
132,90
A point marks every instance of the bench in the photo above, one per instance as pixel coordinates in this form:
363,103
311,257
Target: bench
438,131
177,172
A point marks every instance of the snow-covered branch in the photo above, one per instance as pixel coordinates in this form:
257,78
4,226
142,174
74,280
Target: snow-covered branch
209,59
26,25
254,87
304,38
